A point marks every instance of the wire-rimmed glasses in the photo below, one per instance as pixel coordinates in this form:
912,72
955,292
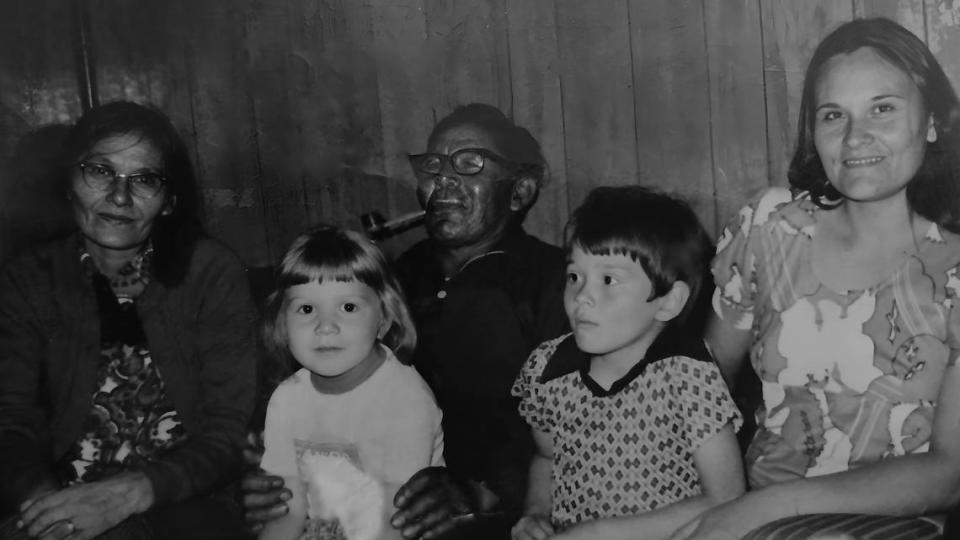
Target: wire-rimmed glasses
145,185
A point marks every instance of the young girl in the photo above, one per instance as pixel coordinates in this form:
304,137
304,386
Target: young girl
353,424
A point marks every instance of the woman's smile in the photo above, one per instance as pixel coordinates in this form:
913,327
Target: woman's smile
862,162
116,218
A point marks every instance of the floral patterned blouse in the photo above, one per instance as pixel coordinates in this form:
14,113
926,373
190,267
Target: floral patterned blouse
131,418
849,377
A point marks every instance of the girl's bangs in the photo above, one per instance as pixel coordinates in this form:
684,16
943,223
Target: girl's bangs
303,271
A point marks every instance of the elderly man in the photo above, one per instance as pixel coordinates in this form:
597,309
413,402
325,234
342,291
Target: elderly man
483,294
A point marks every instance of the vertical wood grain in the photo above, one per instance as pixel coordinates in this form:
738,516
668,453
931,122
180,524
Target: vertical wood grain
943,36
791,32
466,43
38,98
598,95
406,81
227,143
734,49
672,96
338,141
281,65
301,111
538,106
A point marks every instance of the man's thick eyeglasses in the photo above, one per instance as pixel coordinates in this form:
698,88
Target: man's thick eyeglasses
466,161
145,185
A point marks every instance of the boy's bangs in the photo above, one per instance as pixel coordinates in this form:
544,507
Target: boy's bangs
612,246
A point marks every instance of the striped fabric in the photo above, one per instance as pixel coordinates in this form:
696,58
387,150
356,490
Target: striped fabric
846,527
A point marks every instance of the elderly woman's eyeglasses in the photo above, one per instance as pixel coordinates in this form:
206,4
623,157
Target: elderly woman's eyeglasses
466,161
145,185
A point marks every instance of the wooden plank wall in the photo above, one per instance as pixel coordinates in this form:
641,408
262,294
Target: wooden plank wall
302,111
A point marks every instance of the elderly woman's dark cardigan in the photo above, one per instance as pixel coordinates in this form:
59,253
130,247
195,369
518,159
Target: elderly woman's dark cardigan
201,336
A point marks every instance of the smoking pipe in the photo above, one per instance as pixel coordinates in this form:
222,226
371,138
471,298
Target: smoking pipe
379,228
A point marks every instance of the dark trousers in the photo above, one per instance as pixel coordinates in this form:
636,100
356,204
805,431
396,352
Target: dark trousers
217,517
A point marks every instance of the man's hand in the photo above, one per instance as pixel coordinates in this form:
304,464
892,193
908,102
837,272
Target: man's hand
264,496
532,527
434,501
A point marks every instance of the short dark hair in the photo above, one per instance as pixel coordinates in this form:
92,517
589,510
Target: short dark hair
174,235
657,230
934,192
327,252
513,142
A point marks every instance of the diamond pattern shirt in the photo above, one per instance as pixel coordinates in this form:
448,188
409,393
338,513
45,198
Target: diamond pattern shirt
629,449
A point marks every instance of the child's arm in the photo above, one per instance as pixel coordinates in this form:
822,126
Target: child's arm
721,477
535,523
289,526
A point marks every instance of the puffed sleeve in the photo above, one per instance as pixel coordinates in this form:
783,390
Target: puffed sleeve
701,401
943,267
739,249
534,396
950,278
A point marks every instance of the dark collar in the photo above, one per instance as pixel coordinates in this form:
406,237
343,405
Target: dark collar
513,239
568,358
419,268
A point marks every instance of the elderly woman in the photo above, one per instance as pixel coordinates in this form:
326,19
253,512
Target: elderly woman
126,356
845,295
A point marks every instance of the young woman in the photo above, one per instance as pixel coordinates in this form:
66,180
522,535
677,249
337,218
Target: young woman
844,294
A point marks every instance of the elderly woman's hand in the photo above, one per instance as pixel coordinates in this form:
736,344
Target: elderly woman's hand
86,510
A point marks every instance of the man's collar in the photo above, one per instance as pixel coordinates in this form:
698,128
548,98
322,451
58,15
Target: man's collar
568,358
512,239
511,242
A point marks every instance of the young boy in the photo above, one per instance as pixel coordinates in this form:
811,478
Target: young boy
633,423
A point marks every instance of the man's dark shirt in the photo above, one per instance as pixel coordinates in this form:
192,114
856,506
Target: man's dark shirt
475,331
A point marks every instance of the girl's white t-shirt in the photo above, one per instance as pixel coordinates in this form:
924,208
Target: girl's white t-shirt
353,450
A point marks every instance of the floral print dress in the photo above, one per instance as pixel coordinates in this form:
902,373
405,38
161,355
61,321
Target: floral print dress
849,377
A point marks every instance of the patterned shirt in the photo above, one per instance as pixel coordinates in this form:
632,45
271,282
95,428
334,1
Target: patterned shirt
131,419
849,377
629,449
